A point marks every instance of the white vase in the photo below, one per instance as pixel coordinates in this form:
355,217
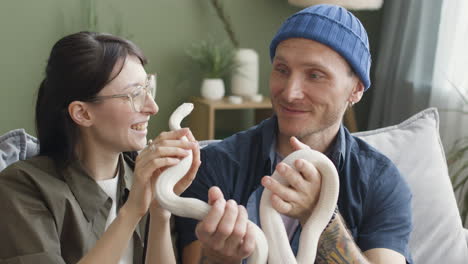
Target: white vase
244,81
212,89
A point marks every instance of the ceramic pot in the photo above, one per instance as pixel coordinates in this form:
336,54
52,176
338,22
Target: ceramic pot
244,81
212,89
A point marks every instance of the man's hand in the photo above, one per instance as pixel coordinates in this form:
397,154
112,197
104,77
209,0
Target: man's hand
299,198
225,233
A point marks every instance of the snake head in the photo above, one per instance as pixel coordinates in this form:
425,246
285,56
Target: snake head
179,114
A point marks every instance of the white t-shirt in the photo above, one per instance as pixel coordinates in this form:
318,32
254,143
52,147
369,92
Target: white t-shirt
110,188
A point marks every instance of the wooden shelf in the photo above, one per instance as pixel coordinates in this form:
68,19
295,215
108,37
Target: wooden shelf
202,119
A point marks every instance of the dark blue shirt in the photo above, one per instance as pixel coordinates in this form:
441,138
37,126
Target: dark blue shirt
374,199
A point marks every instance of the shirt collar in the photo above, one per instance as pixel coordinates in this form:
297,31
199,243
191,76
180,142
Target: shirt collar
336,152
87,192
269,132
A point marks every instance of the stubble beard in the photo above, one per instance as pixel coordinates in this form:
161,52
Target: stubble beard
317,127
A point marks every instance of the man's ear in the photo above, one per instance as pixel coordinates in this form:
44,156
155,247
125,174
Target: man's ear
79,113
356,93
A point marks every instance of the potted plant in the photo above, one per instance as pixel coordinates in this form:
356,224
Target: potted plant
244,81
457,161
215,61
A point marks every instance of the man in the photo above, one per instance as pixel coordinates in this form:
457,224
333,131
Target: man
321,65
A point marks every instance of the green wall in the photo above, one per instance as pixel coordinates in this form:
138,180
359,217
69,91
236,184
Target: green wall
162,28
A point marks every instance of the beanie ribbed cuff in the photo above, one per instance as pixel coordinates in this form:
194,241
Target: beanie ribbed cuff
332,26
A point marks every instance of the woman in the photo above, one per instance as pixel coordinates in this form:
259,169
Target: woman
84,198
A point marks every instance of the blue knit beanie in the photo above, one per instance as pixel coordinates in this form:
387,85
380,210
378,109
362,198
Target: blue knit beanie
335,27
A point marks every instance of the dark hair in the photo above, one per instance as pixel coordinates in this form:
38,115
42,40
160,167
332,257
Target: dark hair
79,66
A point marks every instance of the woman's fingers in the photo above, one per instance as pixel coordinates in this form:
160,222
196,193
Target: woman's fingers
161,151
173,134
146,170
174,143
185,182
190,136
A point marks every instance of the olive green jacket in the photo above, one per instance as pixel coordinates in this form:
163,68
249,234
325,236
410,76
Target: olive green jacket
53,216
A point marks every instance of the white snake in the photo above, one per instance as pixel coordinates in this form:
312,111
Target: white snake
277,249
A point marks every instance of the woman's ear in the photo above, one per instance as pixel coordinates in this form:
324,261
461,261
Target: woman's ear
79,113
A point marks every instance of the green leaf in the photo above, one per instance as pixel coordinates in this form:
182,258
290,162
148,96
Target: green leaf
457,174
213,60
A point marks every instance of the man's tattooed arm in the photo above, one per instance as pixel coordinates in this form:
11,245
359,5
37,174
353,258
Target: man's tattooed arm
337,246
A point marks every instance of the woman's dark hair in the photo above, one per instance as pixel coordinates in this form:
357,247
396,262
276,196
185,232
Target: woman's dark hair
79,66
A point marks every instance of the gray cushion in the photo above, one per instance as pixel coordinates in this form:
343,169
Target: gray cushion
415,148
16,145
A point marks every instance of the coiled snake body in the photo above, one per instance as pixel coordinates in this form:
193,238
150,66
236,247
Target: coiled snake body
277,249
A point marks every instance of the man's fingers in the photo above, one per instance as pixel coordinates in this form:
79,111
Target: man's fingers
248,245
308,171
280,205
226,225
206,228
284,192
296,144
238,232
292,176
214,193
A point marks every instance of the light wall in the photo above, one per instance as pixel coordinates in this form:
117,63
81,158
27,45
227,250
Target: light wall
164,29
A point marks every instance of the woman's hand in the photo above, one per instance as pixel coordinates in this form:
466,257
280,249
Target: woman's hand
165,151
185,182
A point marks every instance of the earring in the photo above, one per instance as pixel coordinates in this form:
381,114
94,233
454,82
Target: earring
351,104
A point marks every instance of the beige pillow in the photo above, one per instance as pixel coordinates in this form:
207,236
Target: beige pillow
415,148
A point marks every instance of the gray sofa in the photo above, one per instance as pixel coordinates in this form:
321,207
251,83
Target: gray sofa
414,146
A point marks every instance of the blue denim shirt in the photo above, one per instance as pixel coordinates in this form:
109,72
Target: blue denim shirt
374,199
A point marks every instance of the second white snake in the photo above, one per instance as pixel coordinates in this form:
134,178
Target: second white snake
277,249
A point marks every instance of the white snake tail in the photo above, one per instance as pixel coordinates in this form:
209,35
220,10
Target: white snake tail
280,251
190,207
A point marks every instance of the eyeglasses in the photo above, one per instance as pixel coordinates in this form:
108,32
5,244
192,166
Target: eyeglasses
138,97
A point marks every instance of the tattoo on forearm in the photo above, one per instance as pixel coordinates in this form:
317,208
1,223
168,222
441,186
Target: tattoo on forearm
337,246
